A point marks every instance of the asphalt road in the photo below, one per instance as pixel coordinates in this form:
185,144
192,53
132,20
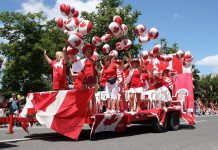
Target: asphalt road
204,136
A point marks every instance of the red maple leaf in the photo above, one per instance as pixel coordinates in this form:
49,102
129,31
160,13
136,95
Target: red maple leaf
111,120
116,29
125,42
150,66
83,24
77,43
162,65
142,30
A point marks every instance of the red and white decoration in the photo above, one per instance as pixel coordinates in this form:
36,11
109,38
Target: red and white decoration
105,38
157,49
126,44
76,40
140,29
72,50
95,56
72,24
153,33
143,39
115,29
118,46
85,27
125,29
61,24
109,122
145,55
105,49
113,53
117,19
65,9
96,41
52,109
180,53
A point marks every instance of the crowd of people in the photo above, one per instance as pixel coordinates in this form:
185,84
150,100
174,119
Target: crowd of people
11,106
114,75
205,109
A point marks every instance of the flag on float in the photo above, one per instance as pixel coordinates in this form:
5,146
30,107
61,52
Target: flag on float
109,122
63,111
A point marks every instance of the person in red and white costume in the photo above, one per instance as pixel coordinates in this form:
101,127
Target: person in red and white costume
135,83
109,72
59,69
89,71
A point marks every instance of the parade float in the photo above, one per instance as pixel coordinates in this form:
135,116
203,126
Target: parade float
66,111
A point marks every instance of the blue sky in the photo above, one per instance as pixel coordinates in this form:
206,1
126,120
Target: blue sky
193,24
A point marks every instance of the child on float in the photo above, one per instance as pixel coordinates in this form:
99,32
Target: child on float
89,72
109,72
59,69
135,83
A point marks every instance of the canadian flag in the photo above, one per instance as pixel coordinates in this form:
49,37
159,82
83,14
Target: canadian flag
62,111
109,122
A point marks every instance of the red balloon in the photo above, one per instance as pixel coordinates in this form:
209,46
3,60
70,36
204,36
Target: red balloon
117,19
65,9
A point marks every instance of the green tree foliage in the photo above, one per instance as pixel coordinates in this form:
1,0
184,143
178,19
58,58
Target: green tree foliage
103,16
25,67
208,87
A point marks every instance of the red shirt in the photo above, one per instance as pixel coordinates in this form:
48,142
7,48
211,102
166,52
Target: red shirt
59,75
78,81
89,68
136,79
154,83
111,71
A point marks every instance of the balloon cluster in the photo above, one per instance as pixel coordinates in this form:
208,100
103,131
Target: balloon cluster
116,29
75,29
140,31
186,57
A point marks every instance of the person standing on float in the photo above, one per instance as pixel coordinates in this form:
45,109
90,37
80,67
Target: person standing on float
109,72
89,71
59,69
135,83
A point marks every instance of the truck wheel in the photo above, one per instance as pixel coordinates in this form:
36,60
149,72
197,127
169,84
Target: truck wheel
157,128
173,121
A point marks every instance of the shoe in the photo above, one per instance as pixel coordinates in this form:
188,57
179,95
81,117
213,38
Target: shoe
107,111
132,112
112,111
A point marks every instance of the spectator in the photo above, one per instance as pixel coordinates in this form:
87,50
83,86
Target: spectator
2,99
14,108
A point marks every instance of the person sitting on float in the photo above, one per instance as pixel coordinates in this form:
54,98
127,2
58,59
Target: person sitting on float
59,69
135,83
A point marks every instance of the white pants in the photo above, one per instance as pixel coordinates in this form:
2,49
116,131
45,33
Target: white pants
112,90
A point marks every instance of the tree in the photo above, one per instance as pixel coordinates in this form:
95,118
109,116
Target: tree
25,68
103,16
208,86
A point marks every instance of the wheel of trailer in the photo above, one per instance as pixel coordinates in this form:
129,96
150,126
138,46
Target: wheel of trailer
173,121
157,128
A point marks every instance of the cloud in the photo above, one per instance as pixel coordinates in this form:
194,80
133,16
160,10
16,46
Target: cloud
54,11
209,61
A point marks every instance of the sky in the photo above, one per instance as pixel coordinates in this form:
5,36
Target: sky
192,24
